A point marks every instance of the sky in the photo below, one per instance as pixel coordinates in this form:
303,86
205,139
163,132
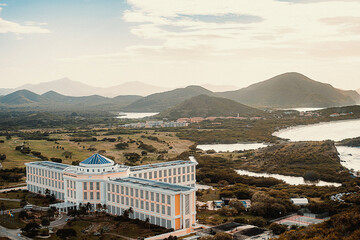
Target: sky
175,43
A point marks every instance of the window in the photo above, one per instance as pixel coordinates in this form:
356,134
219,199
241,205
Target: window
98,195
162,209
150,175
157,208
137,203
152,207
160,173
112,187
91,195
91,186
169,211
127,191
169,179
192,177
179,170
145,175
179,179
117,198
141,193
157,197
188,169
85,186
192,168
155,174
174,179
140,175
162,198
85,195
168,199
188,177
183,178
146,194
113,197
169,172
131,202
152,196
136,192
147,206
174,171
183,170
127,201
142,204
122,189
122,199
131,192
117,188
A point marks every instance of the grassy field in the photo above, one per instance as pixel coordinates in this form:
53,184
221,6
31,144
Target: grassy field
11,222
171,144
10,204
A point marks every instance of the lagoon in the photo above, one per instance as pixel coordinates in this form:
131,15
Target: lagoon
288,179
136,115
231,147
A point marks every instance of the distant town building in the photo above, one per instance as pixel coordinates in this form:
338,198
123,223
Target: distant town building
299,201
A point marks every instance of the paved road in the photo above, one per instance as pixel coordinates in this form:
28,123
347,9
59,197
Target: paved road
14,188
10,199
60,221
12,234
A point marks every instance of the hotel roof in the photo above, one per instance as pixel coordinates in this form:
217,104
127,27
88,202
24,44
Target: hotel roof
51,165
159,165
97,159
156,185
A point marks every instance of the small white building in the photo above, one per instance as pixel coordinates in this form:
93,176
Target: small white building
299,201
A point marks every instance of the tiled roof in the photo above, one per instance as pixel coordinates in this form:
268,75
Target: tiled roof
96,159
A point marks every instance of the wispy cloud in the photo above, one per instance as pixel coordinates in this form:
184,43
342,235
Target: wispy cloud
18,28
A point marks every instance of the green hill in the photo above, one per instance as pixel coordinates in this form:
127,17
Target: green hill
22,97
208,106
292,90
161,101
55,101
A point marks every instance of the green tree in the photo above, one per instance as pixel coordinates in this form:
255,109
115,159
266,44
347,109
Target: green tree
65,233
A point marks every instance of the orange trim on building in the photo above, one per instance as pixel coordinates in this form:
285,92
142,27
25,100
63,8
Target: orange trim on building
177,204
177,223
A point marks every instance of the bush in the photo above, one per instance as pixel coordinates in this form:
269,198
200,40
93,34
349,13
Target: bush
277,228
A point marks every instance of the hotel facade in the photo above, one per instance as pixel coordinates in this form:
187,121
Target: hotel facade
164,192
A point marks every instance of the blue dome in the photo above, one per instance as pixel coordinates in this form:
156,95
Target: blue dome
97,159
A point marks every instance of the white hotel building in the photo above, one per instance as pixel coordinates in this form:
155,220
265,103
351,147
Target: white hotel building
162,192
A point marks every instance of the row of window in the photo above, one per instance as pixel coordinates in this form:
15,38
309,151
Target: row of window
166,172
46,181
139,204
37,189
91,196
45,173
134,192
91,185
137,215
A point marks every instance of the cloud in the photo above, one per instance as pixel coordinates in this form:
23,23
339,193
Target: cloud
233,24
17,28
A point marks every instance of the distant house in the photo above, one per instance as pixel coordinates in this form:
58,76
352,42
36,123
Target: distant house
299,201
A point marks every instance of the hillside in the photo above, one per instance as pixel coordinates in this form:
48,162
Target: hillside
292,90
52,100
297,158
207,106
22,97
159,102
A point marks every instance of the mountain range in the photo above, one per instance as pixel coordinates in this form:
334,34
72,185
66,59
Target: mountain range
292,90
209,106
68,87
287,90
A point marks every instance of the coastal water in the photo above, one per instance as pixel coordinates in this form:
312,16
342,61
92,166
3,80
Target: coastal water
136,115
288,179
231,147
337,130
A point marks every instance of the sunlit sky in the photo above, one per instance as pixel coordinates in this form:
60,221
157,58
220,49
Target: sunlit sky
179,42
